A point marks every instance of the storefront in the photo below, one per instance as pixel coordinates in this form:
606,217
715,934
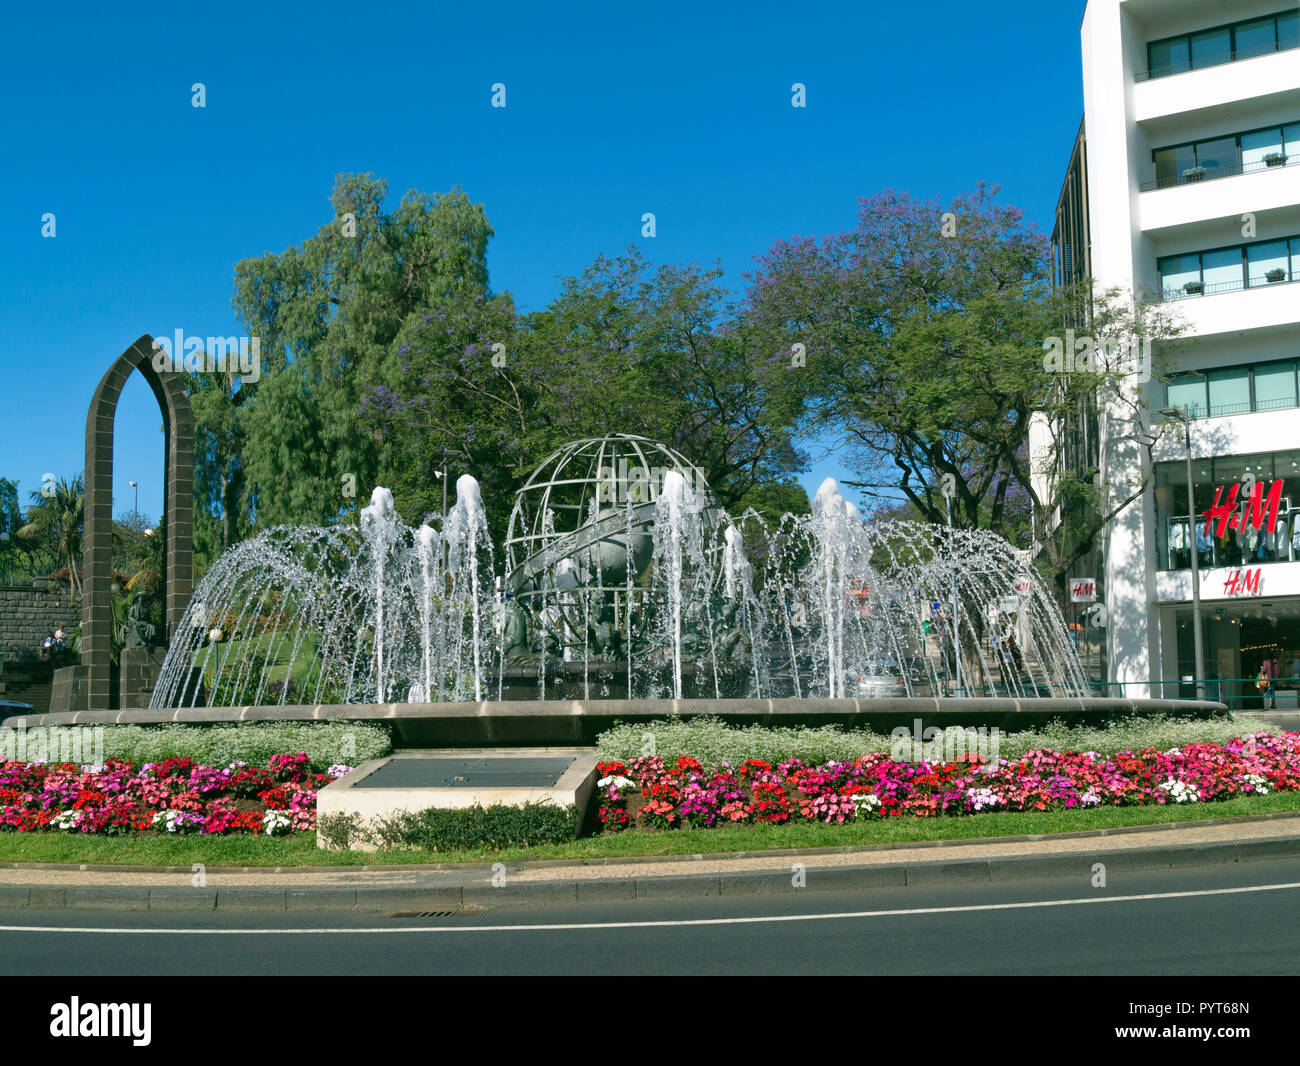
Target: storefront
1246,533
1239,637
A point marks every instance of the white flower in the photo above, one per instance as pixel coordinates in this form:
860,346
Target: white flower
65,820
982,797
276,821
866,802
1256,783
1180,791
617,782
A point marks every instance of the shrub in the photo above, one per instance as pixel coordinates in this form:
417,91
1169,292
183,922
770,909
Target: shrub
341,830
470,828
712,741
324,743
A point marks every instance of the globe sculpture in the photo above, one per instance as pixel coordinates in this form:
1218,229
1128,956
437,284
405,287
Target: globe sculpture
581,550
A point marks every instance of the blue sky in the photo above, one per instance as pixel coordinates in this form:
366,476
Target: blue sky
612,111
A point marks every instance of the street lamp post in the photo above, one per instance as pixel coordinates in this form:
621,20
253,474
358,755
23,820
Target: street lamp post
136,485
948,486
1184,415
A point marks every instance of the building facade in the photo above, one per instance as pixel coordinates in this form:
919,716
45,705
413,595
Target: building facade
1192,197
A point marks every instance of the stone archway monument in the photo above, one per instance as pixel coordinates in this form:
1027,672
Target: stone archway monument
88,685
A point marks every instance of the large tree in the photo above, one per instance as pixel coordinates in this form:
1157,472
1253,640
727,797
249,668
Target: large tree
926,327
328,315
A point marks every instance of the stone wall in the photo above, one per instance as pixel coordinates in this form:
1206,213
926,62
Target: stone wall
27,614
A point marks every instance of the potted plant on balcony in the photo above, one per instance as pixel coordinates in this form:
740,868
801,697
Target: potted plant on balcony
1194,288
1276,274
1194,173
1275,159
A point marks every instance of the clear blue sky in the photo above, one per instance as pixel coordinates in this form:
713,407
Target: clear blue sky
612,111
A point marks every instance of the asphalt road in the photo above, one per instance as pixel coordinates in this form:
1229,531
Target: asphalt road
1230,919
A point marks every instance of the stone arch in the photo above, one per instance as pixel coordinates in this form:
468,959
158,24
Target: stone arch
178,506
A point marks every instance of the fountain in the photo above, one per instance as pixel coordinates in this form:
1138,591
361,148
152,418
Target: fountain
622,578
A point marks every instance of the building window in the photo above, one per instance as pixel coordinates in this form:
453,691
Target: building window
1275,386
1235,390
1189,391
1229,391
1222,44
1222,157
1229,269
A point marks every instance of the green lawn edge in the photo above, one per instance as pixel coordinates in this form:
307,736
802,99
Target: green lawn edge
299,850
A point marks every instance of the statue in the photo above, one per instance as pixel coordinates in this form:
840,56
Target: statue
603,634
732,639
139,630
514,635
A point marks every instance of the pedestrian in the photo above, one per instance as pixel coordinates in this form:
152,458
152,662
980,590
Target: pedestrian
47,645
1264,682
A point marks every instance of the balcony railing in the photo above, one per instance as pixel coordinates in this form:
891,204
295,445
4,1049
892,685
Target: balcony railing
1201,289
1211,173
1220,59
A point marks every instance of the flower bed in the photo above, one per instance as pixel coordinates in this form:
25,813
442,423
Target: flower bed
172,796
647,792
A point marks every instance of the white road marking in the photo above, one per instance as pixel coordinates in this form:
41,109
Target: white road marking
667,924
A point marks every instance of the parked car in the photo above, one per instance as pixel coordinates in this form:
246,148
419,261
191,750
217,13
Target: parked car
13,709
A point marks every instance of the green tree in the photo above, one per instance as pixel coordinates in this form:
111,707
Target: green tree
55,523
926,327
328,314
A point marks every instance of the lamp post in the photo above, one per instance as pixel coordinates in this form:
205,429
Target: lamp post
1183,415
136,485
948,487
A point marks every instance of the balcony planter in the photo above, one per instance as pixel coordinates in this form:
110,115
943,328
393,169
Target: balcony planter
1275,159
1194,174
1194,288
1276,275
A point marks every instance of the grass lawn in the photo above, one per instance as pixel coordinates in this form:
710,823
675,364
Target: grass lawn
300,849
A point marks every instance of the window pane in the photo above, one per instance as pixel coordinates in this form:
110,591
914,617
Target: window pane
1275,386
1263,259
1211,48
1256,38
1177,271
1229,391
1295,258
1288,29
1188,391
1292,136
1255,146
1166,170
1215,155
1168,57
1222,270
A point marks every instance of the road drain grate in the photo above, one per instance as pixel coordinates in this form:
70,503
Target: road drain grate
425,914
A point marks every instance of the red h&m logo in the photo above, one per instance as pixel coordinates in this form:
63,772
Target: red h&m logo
1243,583
1231,516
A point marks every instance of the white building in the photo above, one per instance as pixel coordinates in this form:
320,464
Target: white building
1192,179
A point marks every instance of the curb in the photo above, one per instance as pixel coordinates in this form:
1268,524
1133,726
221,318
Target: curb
479,895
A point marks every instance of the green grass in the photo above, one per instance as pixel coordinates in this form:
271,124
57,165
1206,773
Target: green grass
300,849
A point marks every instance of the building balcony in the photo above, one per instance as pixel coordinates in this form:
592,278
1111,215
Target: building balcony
1232,308
1196,177
1205,89
1258,190
1188,65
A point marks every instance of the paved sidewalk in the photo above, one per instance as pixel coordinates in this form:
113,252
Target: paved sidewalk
470,888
